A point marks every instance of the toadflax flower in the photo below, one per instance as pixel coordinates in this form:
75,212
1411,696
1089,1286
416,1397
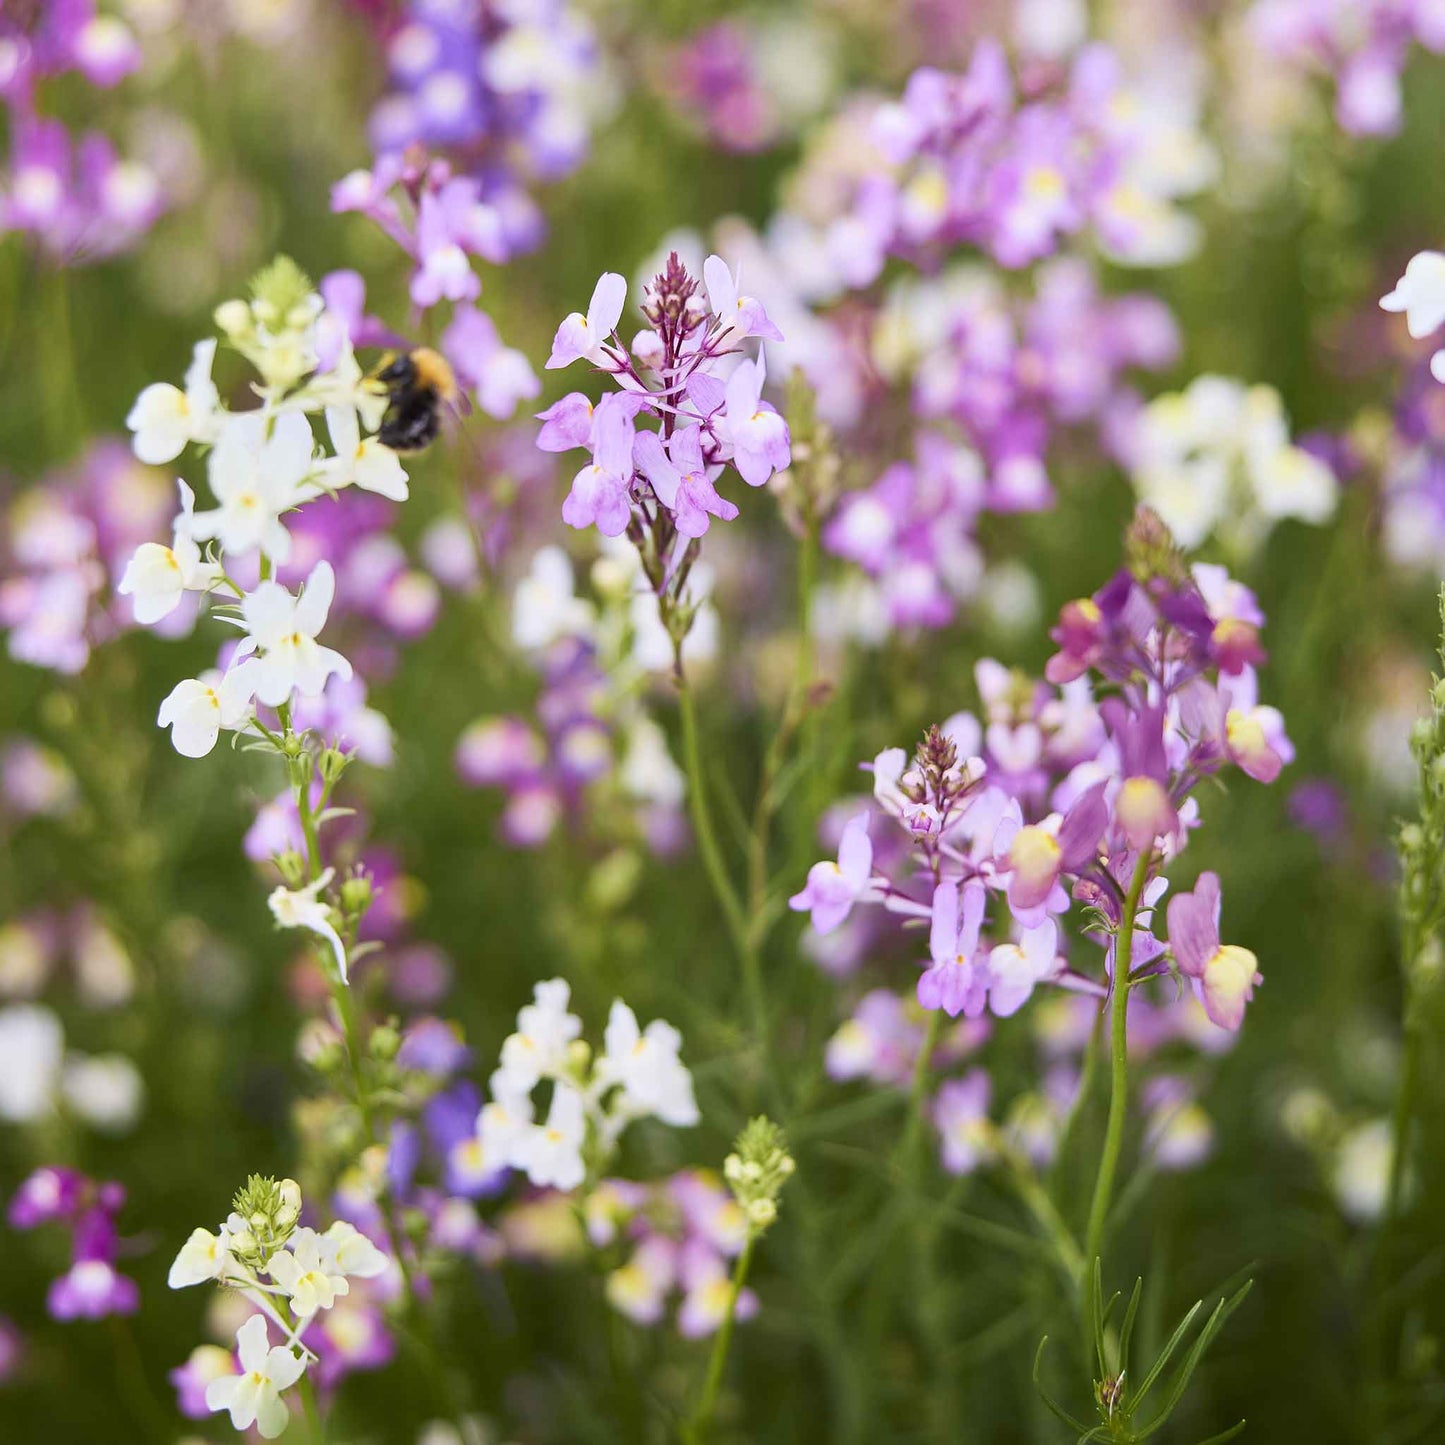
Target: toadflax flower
1224,976
197,709
646,1065
253,1397
166,419
304,908
833,888
582,337
1420,294
157,577
284,630
308,1273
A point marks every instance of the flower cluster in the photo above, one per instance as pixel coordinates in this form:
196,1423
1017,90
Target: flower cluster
756,1171
261,465
291,1275
1362,45
40,1077
505,89
598,759
1216,460
77,197
747,85
683,370
67,540
1063,797
92,1288
977,158
681,1235
638,1075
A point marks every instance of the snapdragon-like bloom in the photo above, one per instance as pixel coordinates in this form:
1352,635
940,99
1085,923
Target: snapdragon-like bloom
166,420
1224,976
833,888
1420,294
305,908
639,1074
685,371
198,708
282,630
995,828
253,1397
654,1079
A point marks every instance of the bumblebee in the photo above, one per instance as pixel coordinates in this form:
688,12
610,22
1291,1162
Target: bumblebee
417,383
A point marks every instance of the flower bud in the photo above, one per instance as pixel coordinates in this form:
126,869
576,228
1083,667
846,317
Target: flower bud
385,1041
233,317
356,895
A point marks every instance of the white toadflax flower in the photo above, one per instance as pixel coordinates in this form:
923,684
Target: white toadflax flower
284,629
1420,294
197,709
254,1396
166,419
1216,459
32,1046
158,576
307,1273
303,908
640,1075
646,1065
361,461
261,467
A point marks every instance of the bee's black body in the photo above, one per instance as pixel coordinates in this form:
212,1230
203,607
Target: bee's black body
417,383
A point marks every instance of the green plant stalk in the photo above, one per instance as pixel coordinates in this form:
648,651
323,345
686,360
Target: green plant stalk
1403,1117
712,858
1118,1090
696,1430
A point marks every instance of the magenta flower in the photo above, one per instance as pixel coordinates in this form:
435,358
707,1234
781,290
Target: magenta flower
1224,976
91,1290
47,1196
500,376
833,888
955,982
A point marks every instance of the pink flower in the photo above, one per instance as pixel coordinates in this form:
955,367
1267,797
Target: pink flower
955,982
1224,975
833,888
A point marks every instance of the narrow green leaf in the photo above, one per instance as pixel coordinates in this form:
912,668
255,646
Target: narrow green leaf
1052,1405
1126,1332
1229,1434
1166,1354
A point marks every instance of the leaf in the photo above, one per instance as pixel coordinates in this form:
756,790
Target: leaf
1050,1403
1157,1368
1126,1332
1229,1434
1207,1335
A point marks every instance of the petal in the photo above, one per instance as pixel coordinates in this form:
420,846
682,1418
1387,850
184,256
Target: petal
943,932
722,291
315,601
855,852
253,1344
609,296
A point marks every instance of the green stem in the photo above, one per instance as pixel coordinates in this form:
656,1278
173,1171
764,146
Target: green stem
722,885
1403,1117
1118,1089
696,1429
908,1145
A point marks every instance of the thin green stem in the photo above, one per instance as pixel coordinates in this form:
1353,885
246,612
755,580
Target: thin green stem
696,1429
1403,1117
1118,1088
722,885
908,1144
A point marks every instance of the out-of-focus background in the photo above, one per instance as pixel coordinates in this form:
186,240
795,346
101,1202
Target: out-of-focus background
134,923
